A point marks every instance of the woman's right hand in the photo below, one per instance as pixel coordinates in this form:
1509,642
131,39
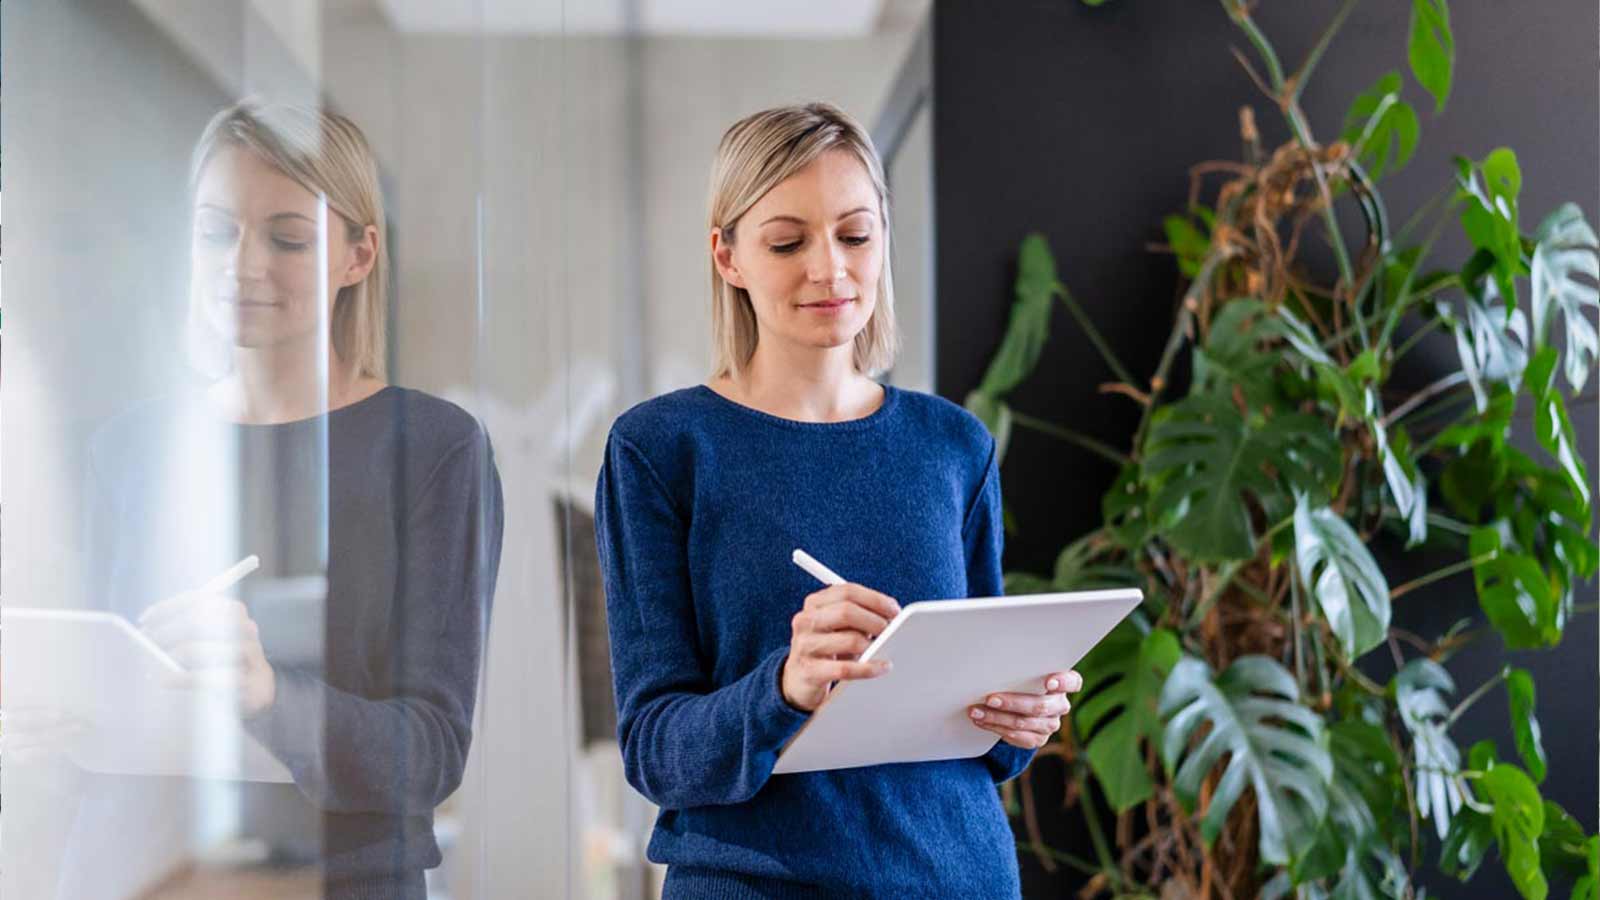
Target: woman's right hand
829,632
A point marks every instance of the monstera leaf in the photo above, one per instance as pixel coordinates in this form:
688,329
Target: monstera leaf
1233,355
1564,249
1351,848
1343,577
1420,689
1274,746
1203,456
1025,338
1116,712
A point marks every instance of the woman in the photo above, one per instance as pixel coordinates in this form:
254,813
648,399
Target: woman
720,646
301,454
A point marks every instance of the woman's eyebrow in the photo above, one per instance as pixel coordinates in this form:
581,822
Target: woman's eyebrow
800,221
291,215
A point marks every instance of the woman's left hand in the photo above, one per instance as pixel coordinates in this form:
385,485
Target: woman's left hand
1027,720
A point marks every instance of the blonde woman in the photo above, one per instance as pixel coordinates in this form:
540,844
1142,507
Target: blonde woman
301,453
721,647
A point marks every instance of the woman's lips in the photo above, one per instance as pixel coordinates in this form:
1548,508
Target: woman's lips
835,303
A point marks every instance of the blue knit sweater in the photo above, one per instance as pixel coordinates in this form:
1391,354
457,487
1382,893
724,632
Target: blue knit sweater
700,502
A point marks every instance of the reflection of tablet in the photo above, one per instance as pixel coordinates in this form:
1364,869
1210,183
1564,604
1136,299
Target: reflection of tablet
948,655
98,669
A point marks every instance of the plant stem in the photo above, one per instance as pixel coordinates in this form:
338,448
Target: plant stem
1294,611
1102,851
1077,862
1476,695
1066,434
1416,336
1421,397
1099,342
1437,574
1158,381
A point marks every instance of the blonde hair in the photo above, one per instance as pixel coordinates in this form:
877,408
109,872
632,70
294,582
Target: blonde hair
757,153
326,154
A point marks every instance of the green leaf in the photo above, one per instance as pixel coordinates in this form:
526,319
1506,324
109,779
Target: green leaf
1234,352
1551,425
1489,216
1342,576
1080,567
1524,726
1117,712
1565,248
1361,800
1420,690
1563,847
1202,457
1029,328
995,414
1515,592
1485,346
1413,502
1517,821
1275,746
1474,478
1123,508
1188,243
1382,128
1466,844
1431,49
1588,887
1492,424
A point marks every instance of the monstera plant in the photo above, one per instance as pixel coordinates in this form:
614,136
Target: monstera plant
1232,724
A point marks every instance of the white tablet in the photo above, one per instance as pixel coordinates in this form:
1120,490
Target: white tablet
136,715
949,655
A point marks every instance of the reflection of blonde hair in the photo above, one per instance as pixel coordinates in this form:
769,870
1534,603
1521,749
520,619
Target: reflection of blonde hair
757,153
329,156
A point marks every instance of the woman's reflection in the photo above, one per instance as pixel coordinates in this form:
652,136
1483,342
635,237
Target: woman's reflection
362,684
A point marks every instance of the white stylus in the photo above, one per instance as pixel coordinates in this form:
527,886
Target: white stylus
231,576
822,573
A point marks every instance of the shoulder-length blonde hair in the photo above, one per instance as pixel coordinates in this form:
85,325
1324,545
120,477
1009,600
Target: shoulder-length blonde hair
326,154
757,153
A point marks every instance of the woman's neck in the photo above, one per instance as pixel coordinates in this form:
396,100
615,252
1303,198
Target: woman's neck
286,383
805,384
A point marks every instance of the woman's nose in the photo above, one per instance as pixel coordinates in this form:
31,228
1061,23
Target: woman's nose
825,264
248,258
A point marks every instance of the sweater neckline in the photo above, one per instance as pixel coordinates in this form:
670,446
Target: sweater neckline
890,397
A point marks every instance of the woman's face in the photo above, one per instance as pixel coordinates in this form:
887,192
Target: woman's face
254,255
810,253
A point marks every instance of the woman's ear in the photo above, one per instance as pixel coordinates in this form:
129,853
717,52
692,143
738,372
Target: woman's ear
722,257
362,257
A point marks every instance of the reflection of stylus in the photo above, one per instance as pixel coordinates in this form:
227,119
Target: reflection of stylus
823,574
230,577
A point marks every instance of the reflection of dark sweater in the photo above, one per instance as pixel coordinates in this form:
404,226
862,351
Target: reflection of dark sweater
396,500
700,502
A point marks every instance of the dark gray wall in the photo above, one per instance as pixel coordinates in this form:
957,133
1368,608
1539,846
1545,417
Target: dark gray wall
1082,123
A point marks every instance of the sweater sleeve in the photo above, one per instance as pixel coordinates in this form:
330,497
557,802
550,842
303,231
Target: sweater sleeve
404,751
983,536
684,741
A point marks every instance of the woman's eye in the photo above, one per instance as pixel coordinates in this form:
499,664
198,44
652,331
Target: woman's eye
856,240
220,235
786,248
283,243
